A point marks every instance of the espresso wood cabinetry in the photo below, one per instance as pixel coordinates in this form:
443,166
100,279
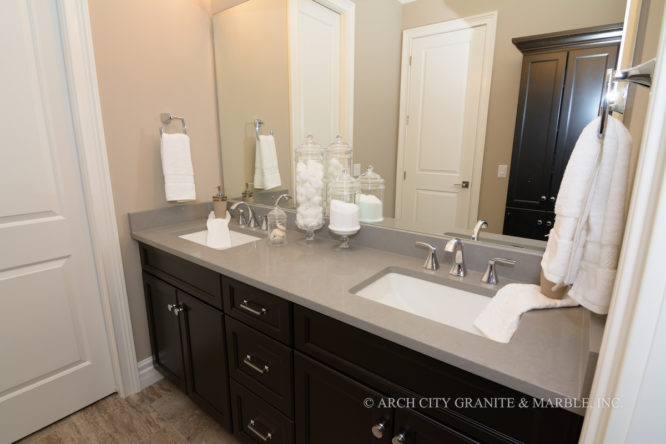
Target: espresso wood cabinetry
273,371
561,85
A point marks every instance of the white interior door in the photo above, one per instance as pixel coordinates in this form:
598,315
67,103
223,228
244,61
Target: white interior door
54,351
445,90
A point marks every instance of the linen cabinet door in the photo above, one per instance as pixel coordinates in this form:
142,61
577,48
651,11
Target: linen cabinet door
414,428
332,408
205,357
163,323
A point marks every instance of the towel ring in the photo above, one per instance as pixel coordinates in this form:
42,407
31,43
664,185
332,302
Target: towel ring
168,117
257,127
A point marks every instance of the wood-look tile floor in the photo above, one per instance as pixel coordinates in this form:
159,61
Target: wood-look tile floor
160,414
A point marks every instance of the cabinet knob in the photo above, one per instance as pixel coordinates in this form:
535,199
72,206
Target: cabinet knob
539,222
549,223
552,199
175,308
379,429
543,198
399,439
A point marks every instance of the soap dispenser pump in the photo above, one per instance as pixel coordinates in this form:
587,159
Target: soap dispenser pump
220,204
276,221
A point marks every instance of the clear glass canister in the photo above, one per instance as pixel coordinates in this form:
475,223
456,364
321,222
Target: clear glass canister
344,192
371,199
338,158
276,223
309,187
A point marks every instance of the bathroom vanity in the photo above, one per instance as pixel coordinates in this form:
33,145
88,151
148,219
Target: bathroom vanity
274,345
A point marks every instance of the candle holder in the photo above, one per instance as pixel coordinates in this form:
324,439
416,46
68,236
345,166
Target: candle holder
344,235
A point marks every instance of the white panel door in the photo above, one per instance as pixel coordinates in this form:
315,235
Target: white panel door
440,126
54,351
318,72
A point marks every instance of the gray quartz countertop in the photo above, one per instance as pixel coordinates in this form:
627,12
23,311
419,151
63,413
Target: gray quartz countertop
548,356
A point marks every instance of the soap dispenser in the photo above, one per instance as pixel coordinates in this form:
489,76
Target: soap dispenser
220,204
276,222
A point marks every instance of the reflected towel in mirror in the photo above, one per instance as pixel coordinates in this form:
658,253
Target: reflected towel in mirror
266,172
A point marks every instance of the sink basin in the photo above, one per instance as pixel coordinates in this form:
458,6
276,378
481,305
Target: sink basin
426,296
237,238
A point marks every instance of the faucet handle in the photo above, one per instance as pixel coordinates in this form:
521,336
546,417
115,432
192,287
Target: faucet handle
490,276
431,262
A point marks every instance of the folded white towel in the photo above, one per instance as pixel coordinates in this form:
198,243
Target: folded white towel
177,167
584,244
266,172
499,320
218,235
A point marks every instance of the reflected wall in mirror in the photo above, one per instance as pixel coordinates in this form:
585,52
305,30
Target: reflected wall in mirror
253,79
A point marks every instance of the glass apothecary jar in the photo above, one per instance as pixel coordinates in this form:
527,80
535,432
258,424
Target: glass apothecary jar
344,214
310,193
338,158
276,224
371,197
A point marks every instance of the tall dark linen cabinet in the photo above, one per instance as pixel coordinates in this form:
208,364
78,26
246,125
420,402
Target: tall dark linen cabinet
560,90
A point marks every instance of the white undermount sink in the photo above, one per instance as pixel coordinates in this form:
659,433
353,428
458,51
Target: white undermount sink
237,238
441,303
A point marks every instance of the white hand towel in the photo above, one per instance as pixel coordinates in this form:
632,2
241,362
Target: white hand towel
584,244
499,320
177,167
218,235
266,172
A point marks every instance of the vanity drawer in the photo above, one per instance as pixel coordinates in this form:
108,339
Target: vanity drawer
262,364
254,419
263,311
192,278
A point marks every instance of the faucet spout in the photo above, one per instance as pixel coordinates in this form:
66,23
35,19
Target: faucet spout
251,220
458,267
477,228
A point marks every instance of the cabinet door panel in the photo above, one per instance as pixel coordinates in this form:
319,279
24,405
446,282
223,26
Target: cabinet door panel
418,429
583,88
330,407
528,223
205,351
164,329
536,129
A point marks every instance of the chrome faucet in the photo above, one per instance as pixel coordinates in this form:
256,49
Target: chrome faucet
431,262
250,220
458,267
490,276
479,225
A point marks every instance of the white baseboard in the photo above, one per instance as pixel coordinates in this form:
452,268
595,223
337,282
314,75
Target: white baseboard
147,373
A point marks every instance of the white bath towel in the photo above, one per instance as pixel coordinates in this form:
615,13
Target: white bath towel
584,244
499,320
177,167
266,172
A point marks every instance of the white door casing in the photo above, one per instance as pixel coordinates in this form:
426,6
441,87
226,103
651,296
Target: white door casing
53,336
321,70
445,89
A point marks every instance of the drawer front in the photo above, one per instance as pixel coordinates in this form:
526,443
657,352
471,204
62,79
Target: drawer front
261,364
263,311
256,421
192,278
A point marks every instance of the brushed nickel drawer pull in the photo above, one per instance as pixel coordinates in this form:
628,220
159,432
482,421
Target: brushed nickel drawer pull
264,437
261,370
245,305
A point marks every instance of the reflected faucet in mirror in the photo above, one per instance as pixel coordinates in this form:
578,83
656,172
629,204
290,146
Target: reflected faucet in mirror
480,224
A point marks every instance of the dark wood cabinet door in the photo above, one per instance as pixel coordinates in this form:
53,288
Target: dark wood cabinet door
164,326
535,135
205,356
528,223
414,428
330,407
583,88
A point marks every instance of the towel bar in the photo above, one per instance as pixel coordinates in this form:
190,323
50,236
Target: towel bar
257,127
167,117
639,75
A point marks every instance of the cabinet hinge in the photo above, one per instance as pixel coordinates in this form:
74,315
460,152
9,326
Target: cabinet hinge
404,175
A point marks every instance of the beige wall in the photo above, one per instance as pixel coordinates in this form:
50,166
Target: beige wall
152,56
376,90
515,19
252,82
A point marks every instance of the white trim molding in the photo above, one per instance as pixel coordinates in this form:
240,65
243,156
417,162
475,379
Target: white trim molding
91,149
640,287
148,375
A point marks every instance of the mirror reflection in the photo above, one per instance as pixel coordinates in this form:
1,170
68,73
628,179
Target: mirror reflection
465,110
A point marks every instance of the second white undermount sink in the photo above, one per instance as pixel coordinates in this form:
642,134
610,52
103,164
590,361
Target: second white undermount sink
429,299
237,238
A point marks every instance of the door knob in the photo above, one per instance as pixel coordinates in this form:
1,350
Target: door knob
379,429
463,184
399,439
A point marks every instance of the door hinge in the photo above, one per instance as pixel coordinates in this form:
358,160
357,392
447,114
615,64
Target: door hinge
407,121
404,175
410,60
